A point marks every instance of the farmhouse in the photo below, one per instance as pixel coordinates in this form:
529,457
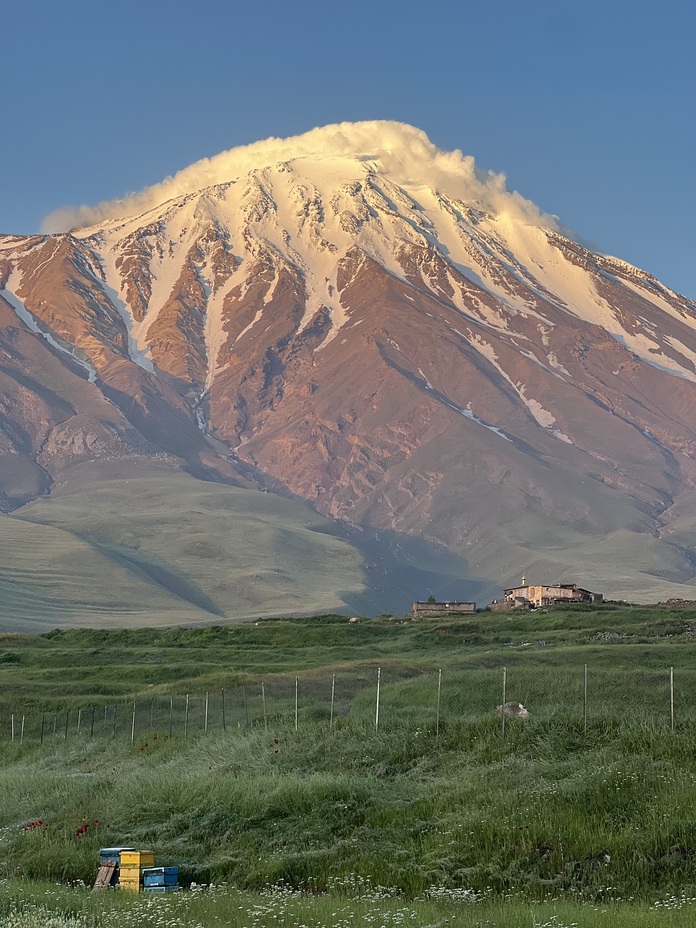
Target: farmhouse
421,610
526,596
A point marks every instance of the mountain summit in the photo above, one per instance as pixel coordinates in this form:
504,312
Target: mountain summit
361,321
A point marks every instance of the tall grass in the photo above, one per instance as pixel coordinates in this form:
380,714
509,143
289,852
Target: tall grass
535,814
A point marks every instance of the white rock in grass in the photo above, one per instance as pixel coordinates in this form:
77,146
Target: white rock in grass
513,710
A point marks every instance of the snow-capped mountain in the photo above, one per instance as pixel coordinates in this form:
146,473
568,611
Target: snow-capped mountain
378,328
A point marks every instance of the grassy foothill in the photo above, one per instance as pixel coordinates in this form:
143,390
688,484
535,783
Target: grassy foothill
166,549
570,819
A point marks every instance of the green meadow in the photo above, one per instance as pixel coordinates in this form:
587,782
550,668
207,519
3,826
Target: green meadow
313,802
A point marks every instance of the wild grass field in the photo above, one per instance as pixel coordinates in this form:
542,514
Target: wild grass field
571,818
348,905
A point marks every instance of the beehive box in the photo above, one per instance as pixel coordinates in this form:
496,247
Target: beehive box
112,853
137,858
129,887
130,878
160,876
162,889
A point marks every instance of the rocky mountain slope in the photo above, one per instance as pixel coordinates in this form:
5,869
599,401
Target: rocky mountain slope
368,324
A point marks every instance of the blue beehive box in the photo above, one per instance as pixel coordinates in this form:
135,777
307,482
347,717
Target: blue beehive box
160,877
112,853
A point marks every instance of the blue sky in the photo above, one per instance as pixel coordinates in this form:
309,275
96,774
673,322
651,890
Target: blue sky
588,108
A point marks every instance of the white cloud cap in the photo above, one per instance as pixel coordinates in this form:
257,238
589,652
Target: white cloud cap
403,153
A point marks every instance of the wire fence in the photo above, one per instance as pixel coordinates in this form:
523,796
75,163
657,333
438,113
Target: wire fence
380,698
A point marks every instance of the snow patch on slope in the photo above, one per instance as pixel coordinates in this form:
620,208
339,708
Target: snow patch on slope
9,294
468,414
542,416
575,291
138,349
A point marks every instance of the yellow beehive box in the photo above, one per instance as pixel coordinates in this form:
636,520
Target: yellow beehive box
130,879
137,859
130,887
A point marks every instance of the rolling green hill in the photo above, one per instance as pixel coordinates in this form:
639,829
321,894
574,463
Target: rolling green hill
165,549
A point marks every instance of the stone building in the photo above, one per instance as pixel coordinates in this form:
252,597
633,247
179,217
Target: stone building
559,594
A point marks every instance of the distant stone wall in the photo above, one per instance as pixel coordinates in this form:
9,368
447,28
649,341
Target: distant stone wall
435,609
508,605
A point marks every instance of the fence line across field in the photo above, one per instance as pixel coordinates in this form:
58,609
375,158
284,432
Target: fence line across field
375,698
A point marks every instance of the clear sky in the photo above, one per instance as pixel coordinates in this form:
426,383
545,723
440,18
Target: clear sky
588,107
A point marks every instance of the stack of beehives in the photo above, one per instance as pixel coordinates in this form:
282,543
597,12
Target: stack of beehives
134,871
131,866
109,859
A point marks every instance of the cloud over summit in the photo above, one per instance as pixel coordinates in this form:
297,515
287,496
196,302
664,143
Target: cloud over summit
405,154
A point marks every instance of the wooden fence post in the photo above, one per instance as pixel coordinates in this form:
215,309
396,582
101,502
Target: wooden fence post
671,698
437,710
502,708
584,702
333,694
